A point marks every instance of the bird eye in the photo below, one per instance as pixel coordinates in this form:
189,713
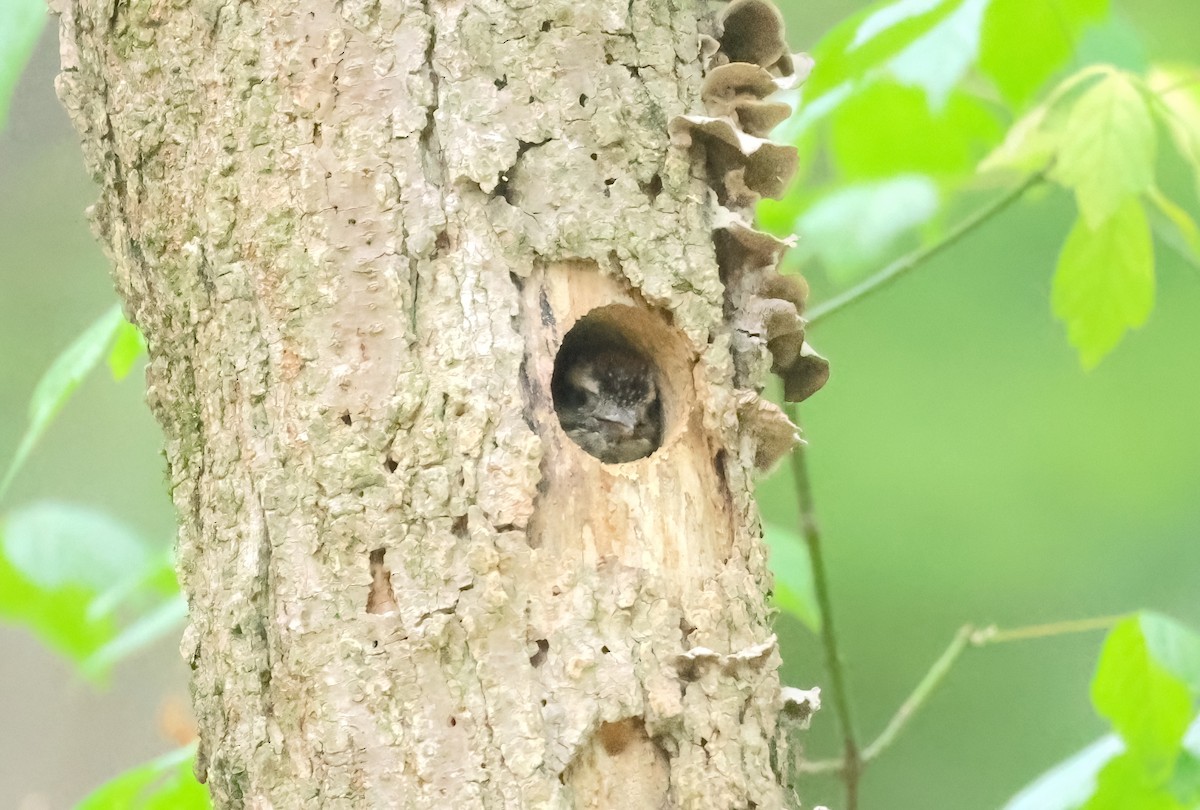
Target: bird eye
582,378
605,384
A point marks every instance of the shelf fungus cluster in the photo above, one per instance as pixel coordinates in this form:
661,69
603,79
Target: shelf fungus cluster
745,66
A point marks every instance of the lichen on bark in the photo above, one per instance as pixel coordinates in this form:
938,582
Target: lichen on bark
354,235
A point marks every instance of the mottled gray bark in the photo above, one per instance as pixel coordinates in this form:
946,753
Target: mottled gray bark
354,235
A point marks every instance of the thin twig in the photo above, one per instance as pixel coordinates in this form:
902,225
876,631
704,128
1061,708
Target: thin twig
966,636
851,763
932,680
993,635
918,257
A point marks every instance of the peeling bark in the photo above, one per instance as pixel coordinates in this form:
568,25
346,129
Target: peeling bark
355,235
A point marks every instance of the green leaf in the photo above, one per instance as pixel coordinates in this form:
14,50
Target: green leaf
889,15
1123,784
59,617
21,22
888,129
151,627
1180,220
789,561
937,60
1104,283
1185,782
157,580
59,382
1106,150
1177,97
1173,646
856,226
1029,145
1146,704
864,43
1068,784
1024,42
799,128
127,347
57,563
56,544
167,783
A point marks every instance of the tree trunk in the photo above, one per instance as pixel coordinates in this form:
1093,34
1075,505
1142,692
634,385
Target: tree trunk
356,235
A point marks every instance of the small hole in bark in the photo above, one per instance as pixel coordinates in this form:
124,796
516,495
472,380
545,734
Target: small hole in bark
352,221
633,71
719,465
604,649
653,188
545,26
606,388
583,99
616,737
595,156
375,643
390,464
539,657
453,722
501,83
687,670
525,146
460,526
380,598
346,420
502,190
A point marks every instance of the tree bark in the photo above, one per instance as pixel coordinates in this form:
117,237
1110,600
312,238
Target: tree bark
355,235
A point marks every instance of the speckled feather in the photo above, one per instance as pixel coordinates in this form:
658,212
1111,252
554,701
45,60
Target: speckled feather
608,404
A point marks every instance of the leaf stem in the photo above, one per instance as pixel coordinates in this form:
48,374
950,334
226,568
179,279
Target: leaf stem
851,763
918,257
1174,243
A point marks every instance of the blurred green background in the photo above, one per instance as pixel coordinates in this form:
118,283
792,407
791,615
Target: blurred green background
965,469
